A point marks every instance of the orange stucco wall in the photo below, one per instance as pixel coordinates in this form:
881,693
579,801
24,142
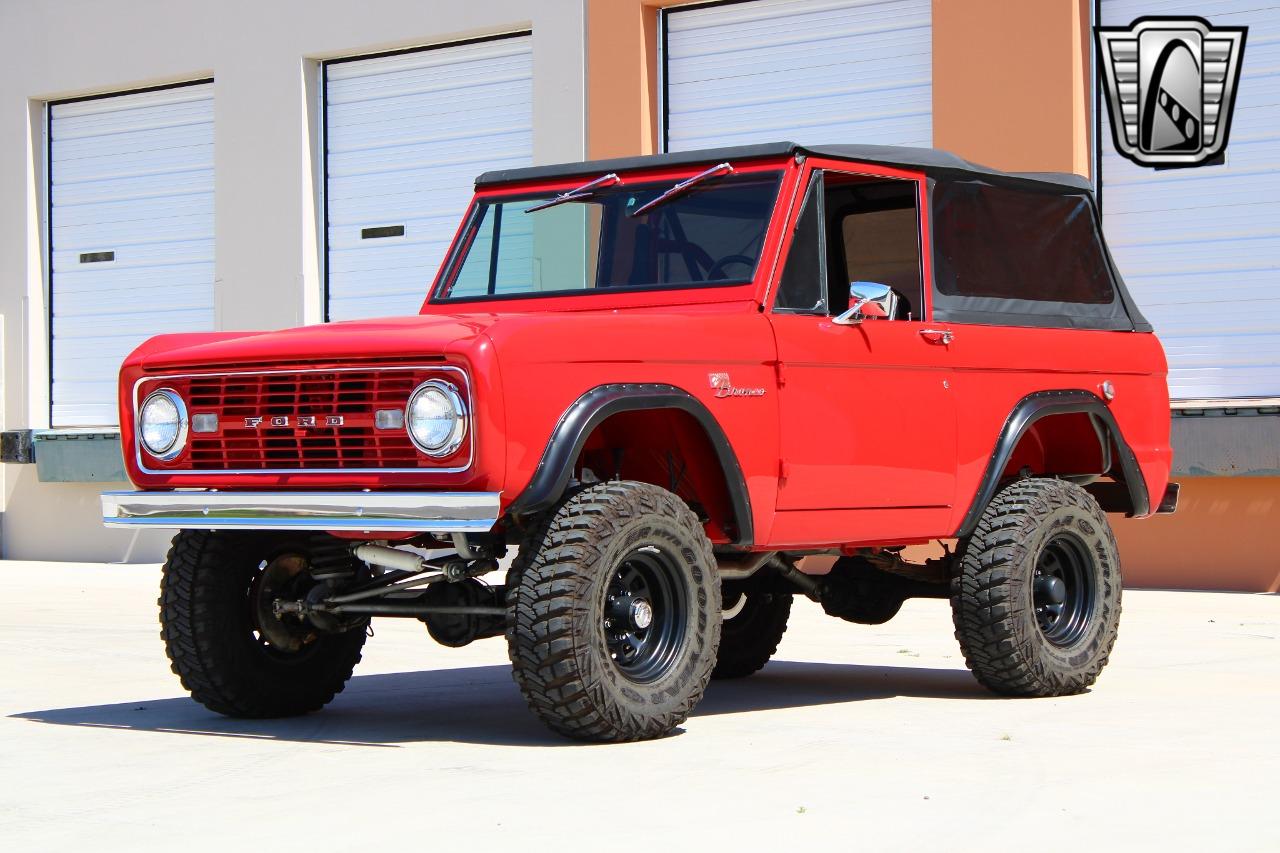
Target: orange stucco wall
622,77
1220,538
1011,83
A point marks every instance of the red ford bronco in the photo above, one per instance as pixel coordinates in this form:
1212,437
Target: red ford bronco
659,383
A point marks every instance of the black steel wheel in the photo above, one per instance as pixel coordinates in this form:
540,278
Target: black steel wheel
613,614
223,639
1062,590
753,622
1036,600
645,613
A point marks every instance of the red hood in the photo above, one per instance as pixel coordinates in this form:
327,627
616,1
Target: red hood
545,336
387,338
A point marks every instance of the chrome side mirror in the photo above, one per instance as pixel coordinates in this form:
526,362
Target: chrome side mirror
868,300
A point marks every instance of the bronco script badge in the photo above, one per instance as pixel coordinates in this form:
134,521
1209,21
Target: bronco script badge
1171,84
724,387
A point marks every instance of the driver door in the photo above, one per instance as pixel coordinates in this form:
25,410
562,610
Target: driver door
868,418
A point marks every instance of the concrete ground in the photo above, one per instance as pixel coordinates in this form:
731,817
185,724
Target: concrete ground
875,738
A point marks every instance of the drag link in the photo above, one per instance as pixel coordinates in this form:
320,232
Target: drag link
379,591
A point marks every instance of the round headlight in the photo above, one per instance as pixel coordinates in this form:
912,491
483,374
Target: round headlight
162,424
436,417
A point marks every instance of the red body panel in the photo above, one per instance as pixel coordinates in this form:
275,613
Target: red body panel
869,434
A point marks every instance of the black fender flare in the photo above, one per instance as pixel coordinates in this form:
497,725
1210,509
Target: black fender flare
1042,404
591,409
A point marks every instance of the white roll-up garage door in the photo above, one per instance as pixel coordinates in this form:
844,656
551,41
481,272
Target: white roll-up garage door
131,228
1200,248
811,71
406,136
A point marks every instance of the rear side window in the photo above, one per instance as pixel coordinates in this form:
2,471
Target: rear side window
1003,243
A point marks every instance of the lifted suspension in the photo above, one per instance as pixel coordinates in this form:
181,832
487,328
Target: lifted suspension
441,591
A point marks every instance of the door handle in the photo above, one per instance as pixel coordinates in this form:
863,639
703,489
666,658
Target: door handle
937,336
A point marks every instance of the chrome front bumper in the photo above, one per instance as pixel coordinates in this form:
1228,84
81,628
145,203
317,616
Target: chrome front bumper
420,512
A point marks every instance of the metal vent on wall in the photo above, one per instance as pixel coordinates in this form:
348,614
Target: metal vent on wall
406,135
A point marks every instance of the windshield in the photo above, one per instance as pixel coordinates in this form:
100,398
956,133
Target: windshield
710,235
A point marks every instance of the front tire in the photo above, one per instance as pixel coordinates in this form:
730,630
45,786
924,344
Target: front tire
223,641
614,614
1036,602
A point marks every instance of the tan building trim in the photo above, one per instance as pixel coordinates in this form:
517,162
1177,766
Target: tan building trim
622,77
1011,85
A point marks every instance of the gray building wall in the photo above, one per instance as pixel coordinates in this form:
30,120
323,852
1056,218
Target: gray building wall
264,59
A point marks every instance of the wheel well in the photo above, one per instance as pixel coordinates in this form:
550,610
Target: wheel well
1071,445
667,448
655,433
1069,434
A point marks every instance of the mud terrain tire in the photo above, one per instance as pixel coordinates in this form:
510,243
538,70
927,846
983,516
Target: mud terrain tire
208,623
1036,600
603,544
750,638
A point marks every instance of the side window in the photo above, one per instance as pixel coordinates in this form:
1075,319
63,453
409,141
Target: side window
1006,243
801,289
874,235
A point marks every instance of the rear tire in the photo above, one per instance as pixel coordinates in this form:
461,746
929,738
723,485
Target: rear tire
614,614
1036,602
214,606
856,591
750,637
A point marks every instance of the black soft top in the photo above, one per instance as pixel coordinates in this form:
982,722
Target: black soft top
1009,248
931,161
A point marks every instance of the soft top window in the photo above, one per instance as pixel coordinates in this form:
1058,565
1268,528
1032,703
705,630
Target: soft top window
1011,255
994,241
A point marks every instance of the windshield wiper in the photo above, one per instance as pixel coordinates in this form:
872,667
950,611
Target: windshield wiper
684,186
585,191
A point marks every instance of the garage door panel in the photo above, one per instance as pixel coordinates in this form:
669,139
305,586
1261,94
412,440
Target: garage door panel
123,237
152,209
788,23
111,307
1210,251
419,168
101,152
393,253
358,304
441,69
131,175
810,71
747,133
1221,198
821,57
405,137
138,280
873,94
139,187
1200,248
818,115
399,124
169,162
